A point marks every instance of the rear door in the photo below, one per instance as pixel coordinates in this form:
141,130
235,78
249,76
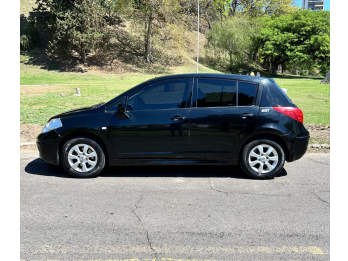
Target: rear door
156,123
223,113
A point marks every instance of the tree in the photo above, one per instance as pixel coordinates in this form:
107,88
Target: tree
272,8
233,37
302,38
155,15
221,7
253,8
74,26
214,10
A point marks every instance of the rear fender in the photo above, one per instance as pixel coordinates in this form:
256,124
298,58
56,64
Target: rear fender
273,131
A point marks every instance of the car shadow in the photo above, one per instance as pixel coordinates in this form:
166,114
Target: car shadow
38,167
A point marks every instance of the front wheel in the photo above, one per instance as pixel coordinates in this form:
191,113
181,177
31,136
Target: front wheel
262,158
82,158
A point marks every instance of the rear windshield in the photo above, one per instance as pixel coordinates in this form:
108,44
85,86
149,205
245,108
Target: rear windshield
281,90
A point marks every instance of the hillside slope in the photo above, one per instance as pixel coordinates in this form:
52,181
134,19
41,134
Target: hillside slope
167,60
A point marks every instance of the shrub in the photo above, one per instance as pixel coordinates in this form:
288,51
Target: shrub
25,42
28,38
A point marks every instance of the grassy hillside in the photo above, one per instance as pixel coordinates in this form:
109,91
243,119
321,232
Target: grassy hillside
36,74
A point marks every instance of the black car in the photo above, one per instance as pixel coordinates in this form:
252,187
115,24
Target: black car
191,119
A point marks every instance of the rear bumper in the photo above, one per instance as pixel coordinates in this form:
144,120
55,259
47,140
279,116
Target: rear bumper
48,146
298,148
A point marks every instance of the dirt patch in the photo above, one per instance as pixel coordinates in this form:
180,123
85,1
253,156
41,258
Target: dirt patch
319,134
28,132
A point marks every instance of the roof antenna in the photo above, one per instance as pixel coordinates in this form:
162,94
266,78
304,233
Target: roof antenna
197,35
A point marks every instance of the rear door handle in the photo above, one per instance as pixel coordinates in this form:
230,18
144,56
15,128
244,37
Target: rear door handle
244,115
177,118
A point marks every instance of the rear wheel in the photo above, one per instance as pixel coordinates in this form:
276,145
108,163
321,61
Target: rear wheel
82,158
262,158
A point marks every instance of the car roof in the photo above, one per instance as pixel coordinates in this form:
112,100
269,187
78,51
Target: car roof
214,75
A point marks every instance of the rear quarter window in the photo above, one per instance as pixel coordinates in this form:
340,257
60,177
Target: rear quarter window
284,94
274,96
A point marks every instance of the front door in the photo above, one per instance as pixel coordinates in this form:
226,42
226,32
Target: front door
156,122
222,115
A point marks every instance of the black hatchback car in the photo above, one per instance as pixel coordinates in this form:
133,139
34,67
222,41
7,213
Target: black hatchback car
220,119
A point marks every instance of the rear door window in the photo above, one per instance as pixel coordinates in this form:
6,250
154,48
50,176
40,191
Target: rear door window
215,93
163,95
246,93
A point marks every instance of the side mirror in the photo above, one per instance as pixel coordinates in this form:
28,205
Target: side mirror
121,107
121,111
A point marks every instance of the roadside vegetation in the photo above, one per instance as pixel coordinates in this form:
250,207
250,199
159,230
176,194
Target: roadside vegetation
153,36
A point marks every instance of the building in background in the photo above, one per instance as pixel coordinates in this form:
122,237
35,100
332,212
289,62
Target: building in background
314,5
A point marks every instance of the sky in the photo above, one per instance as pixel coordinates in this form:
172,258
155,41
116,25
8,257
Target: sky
326,7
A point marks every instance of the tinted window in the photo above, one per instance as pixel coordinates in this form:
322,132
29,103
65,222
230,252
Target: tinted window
114,106
284,94
164,95
246,93
215,93
272,97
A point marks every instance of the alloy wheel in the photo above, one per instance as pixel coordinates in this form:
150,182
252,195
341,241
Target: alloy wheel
263,158
82,158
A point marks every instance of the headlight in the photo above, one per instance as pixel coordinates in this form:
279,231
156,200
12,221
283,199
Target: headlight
52,125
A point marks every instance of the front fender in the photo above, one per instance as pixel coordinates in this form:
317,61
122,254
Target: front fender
95,125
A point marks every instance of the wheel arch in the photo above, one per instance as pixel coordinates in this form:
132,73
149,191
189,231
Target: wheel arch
84,134
272,136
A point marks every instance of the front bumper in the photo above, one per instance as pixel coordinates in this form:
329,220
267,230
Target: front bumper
48,146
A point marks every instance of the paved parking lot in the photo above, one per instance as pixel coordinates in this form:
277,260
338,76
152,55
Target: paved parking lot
175,213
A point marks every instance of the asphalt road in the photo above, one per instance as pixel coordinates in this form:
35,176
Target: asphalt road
175,213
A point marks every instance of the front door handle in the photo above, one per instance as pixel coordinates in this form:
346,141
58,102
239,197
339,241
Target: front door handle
245,115
177,118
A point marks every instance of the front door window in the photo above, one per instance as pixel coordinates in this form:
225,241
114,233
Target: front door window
163,95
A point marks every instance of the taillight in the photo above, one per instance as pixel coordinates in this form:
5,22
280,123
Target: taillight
292,112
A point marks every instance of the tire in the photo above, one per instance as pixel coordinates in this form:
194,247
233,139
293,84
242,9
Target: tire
254,163
82,157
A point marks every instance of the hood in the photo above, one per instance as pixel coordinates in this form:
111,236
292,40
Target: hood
78,111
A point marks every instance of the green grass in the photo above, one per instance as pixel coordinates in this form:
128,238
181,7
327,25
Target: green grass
34,75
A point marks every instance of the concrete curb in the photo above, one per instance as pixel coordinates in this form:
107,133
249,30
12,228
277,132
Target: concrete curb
28,145
319,146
